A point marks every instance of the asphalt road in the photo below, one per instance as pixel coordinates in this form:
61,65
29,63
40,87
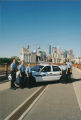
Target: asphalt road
58,102
11,99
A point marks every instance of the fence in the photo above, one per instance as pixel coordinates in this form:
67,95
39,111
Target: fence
4,71
77,65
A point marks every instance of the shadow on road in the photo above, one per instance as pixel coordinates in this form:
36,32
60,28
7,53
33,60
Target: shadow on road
76,80
30,84
44,83
54,82
68,81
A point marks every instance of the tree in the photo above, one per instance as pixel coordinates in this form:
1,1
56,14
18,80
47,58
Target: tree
7,60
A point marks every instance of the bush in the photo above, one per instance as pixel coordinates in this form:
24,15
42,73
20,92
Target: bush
7,60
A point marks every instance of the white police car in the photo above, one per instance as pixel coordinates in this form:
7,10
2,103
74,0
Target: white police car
46,72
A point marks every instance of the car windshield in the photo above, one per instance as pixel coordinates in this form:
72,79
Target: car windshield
37,68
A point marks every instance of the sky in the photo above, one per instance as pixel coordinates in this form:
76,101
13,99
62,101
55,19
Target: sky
39,23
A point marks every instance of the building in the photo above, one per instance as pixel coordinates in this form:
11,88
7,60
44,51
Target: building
41,56
49,50
76,60
56,58
71,54
48,54
37,56
27,56
65,54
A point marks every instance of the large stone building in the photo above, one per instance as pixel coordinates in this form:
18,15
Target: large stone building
27,56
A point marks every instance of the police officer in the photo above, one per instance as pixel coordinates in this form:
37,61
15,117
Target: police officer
13,74
69,69
22,74
29,74
64,70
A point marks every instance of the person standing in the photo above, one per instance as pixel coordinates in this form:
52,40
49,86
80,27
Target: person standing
29,74
13,74
69,69
22,74
64,70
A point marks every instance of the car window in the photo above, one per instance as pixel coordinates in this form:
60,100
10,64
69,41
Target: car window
46,69
56,68
37,68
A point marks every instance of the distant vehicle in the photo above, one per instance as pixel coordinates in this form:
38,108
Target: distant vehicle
46,72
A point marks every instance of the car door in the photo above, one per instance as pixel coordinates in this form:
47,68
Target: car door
56,73
46,73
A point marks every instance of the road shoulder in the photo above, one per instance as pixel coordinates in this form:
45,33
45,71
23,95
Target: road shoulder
77,84
4,86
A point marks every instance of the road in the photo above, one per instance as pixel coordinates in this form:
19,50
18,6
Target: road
59,102
10,100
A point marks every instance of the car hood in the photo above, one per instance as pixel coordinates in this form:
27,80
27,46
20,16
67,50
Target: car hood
35,73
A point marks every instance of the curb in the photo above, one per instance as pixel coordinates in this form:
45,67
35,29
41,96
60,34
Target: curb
19,112
79,102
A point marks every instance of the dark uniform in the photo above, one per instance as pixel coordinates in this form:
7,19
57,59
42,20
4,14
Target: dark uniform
29,75
64,68
69,64
13,74
22,78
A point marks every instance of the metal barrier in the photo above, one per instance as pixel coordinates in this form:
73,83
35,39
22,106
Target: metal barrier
4,72
77,65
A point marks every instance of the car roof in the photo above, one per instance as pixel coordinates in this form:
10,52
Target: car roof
47,65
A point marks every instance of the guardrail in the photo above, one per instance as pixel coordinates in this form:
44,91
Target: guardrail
77,65
4,72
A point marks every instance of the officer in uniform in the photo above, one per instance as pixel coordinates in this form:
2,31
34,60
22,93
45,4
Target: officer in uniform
29,74
13,74
22,74
64,69
69,69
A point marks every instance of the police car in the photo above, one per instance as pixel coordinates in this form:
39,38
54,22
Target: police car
46,72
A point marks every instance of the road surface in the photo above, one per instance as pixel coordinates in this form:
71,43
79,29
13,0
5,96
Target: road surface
59,102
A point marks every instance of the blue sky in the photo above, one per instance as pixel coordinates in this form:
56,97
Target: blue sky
39,23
